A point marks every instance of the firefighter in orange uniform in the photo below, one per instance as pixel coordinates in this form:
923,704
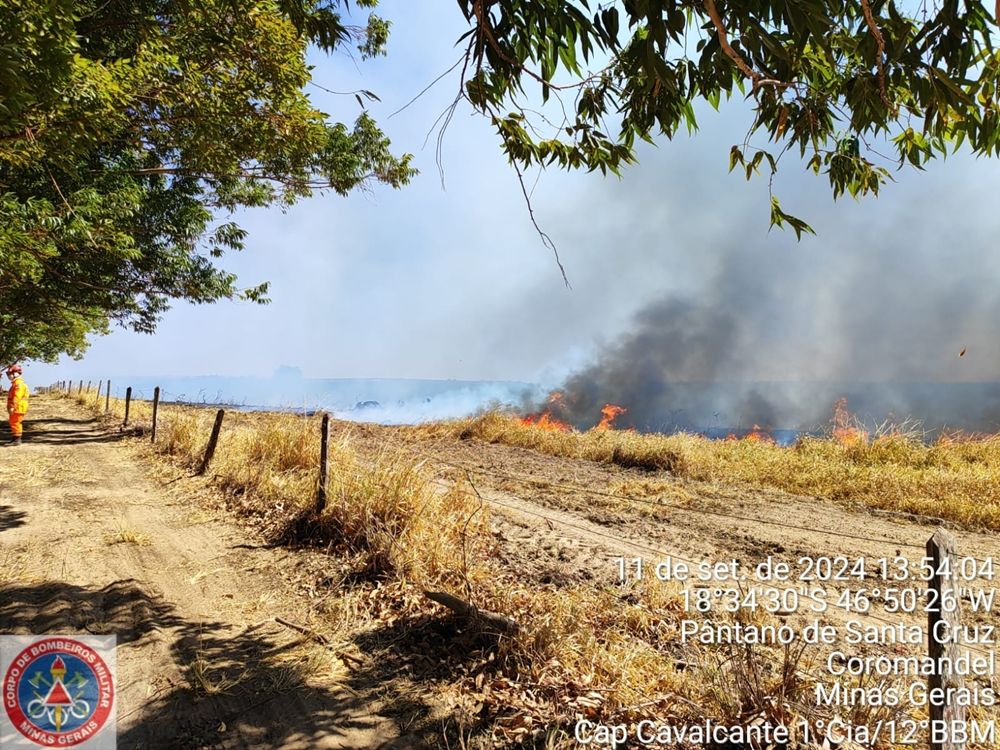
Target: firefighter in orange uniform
17,403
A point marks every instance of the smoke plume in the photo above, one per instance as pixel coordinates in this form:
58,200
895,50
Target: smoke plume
894,304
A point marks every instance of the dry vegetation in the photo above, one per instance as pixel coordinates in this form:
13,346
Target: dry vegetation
583,650
126,535
578,652
956,478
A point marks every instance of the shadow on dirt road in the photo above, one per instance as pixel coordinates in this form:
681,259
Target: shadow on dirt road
226,689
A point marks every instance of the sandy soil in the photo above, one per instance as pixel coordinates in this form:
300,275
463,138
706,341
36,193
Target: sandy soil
92,542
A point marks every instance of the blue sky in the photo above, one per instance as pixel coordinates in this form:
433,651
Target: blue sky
453,283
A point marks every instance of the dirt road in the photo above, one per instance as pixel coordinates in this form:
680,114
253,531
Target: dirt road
93,542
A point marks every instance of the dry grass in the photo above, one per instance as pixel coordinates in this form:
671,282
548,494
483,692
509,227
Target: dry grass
308,664
578,650
954,478
198,516
212,678
12,568
384,509
583,651
128,535
624,448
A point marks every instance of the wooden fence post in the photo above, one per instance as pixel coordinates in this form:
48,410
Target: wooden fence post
79,391
156,408
128,403
212,441
89,383
324,463
107,399
943,607
100,387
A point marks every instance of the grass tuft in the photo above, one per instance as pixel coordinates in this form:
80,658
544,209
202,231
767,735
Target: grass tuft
128,535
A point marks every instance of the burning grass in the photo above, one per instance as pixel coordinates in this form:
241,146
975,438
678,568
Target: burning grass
621,447
955,478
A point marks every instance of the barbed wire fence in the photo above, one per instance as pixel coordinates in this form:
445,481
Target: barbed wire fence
941,548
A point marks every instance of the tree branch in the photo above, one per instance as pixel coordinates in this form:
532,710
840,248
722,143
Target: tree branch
485,30
880,41
723,35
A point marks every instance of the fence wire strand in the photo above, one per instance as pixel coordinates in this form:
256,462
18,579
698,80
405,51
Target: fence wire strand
404,447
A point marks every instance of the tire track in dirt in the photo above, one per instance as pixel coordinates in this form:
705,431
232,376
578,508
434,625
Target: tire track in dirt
691,518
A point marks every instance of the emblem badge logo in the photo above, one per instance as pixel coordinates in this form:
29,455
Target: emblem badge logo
58,691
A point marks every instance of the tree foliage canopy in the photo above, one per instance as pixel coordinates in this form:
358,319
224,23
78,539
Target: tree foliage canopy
856,87
130,130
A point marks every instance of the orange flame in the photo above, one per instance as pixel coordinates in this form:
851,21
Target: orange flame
844,430
757,435
955,437
609,413
545,420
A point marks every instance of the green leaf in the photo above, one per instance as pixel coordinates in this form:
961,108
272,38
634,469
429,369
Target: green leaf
779,218
735,157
